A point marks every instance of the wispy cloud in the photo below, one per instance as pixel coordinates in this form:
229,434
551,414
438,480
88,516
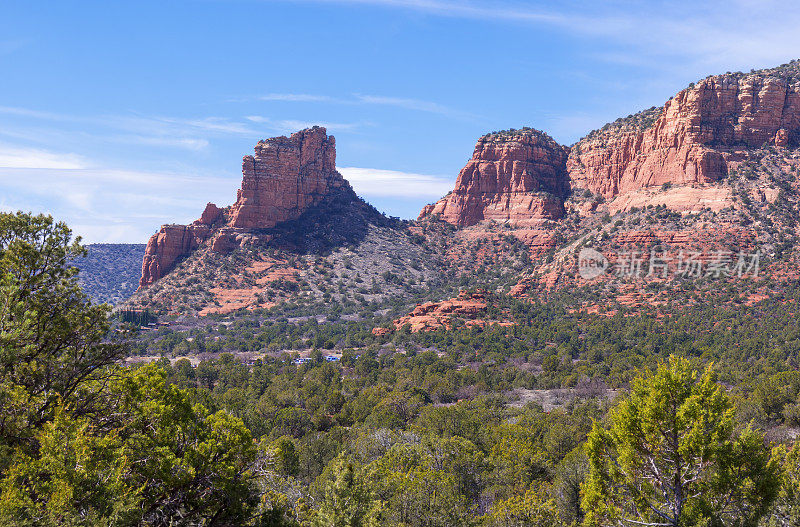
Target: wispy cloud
294,97
718,34
157,130
409,104
290,125
358,99
464,9
376,182
13,157
30,125
140,203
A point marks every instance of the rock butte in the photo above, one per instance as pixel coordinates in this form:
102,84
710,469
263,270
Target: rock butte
284,178
522,177
517,176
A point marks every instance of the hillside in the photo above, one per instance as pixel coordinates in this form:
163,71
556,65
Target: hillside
478,350
712,175
110,271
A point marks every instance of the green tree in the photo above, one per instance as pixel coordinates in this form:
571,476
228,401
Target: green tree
532,509
151,457
349,502
52,340
287,460
670,457
86,442
420,487
568,478
786,510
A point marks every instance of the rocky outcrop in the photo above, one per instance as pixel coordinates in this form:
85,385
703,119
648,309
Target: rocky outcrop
518,176
522,177
285,177
211,215
169,244
467,307
691,139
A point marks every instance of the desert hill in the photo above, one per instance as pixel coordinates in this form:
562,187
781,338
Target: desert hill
297,233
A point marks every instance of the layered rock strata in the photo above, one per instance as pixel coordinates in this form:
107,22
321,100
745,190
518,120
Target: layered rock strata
284,177
692,138
523,176
517,176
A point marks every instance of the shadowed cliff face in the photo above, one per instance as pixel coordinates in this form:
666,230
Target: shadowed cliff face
287,179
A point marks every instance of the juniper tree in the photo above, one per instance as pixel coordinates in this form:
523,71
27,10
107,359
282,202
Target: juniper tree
671,457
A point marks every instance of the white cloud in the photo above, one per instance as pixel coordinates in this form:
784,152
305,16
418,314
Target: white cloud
288,125
392,183
109,205
464,9
13,157
188,143
294,97
361,99
408,104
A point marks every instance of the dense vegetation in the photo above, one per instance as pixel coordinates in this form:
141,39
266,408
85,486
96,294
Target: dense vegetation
110,271
427,429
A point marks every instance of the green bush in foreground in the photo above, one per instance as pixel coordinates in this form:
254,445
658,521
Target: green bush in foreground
671,457
85,442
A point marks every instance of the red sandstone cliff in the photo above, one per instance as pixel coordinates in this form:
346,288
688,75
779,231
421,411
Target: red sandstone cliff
284,177
692,139
517,176
523,176
166,246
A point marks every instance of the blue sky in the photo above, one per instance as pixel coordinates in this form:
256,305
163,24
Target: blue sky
118,117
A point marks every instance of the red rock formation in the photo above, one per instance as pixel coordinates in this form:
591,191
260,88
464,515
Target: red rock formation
167,246
689,143
211,215
284,177
516,176
435,315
